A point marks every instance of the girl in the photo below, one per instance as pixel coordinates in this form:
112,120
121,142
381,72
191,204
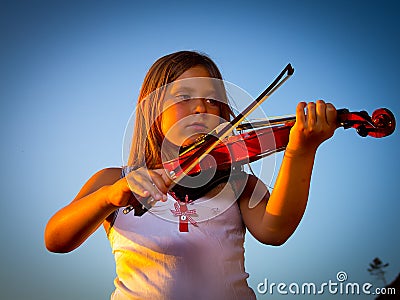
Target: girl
156,258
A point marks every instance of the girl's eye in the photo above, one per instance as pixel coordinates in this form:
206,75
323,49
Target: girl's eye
212,101
183,97
186,98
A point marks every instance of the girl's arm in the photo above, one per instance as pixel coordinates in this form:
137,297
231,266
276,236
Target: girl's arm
274,220
97,200
74,223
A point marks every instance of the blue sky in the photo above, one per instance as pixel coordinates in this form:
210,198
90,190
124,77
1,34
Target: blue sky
70,75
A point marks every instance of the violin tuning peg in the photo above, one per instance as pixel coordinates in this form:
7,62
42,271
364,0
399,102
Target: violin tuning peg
362,131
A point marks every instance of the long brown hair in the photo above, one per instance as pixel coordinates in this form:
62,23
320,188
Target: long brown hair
147,135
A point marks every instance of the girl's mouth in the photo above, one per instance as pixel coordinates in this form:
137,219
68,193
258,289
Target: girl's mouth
198,127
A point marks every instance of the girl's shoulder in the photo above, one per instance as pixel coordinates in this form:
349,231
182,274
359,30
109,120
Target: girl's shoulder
107,176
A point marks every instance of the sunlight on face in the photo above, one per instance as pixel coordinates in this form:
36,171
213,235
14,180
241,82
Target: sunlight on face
191,107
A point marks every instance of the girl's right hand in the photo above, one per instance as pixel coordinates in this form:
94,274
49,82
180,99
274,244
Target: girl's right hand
139,185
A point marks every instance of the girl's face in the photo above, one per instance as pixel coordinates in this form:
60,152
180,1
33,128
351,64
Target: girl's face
189,108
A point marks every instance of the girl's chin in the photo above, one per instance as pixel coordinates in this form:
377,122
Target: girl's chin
190,141
186,142
183,142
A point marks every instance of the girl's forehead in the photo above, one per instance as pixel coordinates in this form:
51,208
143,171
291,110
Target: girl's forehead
194,84
197,71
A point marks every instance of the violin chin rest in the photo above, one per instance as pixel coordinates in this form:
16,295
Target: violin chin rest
183,189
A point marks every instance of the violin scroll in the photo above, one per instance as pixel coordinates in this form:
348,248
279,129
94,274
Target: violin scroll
380,124
385,121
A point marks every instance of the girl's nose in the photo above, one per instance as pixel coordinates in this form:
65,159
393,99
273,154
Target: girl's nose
199,105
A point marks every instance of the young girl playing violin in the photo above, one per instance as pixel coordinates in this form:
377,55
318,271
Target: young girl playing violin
155,258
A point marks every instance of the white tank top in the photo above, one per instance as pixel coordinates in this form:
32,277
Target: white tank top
154,260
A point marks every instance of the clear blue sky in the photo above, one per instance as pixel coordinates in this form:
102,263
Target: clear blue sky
70,75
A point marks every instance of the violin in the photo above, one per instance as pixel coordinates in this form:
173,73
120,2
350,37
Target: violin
271,136
217,156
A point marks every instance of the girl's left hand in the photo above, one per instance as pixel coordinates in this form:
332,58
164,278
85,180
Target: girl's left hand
312,127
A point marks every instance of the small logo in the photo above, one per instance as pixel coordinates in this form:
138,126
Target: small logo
341,276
